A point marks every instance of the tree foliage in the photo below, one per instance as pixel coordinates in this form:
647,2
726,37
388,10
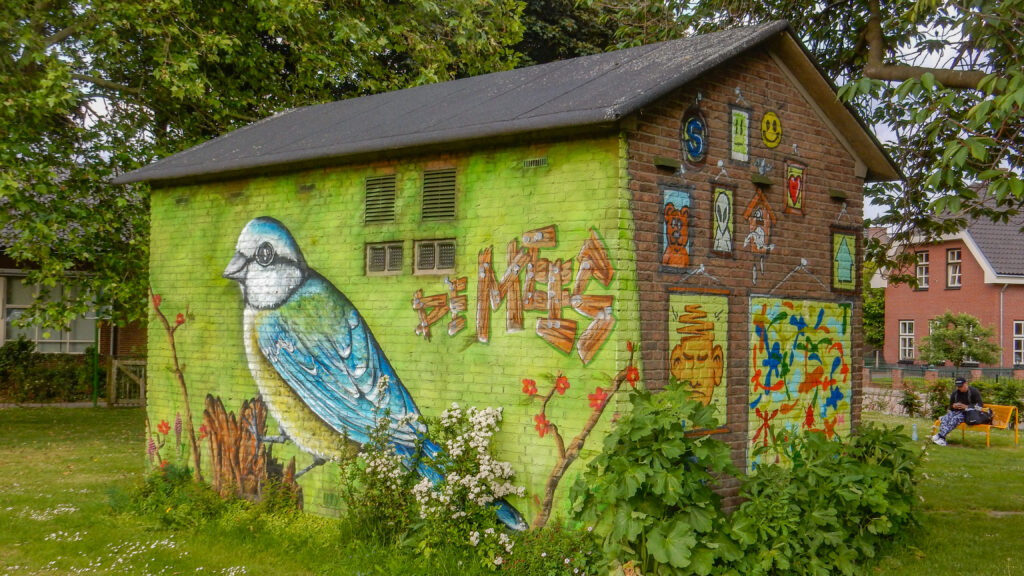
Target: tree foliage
959,338
946,78
92,89
874,309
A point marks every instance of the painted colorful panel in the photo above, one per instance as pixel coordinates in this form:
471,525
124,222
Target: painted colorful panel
695,136
722,229
698,340
675,229
740,141
800,362
795,192
844,261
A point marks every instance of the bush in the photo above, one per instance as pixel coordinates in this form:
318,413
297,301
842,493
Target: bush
169,496
938,397
649,493
832,509
556,551
1005,392
28,376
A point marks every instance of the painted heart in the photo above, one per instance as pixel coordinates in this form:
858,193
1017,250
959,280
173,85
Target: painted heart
794,190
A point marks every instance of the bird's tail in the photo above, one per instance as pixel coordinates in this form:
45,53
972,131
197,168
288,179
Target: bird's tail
428,466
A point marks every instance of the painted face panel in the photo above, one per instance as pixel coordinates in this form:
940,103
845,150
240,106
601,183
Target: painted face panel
771,130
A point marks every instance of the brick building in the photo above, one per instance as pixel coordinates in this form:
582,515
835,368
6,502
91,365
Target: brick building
979,271
691,208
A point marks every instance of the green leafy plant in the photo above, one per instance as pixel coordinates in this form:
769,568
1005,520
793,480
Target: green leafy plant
557,550
28,376
832,508
957,338
650,494
171,498
911,402
460,508
376,489
937,397
1004,392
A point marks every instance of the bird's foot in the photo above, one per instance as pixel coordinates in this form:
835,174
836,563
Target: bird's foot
279,439
317,461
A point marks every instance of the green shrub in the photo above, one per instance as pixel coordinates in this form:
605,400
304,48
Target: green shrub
831,509
1005,392
937,395
27,376
556,550
649,493
170,496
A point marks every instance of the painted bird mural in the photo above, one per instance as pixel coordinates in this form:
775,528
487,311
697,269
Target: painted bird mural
317,365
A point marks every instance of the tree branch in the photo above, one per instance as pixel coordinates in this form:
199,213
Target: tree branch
877,70
106,84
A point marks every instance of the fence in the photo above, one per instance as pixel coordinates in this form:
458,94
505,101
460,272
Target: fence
126,383
893,376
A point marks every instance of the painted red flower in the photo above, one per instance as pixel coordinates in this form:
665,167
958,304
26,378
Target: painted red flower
542,424
163,427
156,300
561,384
632,376
629,345
163,464
529,387
203,431
180,319
597,398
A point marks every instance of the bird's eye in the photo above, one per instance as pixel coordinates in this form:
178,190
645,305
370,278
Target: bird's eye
265,254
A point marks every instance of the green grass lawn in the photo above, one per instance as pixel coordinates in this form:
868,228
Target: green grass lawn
59,468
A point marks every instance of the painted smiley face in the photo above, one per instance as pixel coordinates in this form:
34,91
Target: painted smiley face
771,130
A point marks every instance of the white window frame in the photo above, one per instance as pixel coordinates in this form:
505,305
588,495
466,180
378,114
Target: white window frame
42,336
923,270
390,249
435,244
954,270
1018,342
907,351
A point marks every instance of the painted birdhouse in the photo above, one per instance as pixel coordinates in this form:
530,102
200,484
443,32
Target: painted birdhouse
760,221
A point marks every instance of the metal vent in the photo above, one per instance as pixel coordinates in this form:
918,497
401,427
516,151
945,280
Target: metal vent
439,194
382,259
435,256
380,199
535,162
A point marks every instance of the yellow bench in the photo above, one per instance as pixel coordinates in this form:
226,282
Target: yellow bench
1002,417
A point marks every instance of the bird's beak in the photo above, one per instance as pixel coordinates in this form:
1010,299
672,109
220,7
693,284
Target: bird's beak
236,268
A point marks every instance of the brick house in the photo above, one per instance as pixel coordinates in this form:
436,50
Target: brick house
978,271
691,209
84,332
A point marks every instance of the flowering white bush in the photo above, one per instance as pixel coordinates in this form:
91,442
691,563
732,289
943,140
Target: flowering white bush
461,507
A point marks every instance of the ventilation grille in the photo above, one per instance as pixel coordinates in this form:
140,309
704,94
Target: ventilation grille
380,199
439,195
383,259
435,256
535,162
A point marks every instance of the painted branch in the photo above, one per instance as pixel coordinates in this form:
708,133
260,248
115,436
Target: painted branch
568,455
180,376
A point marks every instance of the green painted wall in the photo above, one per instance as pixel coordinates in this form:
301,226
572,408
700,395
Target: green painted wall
582,188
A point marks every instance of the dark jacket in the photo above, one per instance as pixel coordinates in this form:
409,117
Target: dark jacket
971,397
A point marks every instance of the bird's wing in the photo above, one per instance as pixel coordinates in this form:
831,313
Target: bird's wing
320,345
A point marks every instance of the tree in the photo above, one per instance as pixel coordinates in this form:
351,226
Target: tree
946,77
558,29
874,309
959,338
92,89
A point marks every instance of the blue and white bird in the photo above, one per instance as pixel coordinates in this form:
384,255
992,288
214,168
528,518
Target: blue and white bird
318,367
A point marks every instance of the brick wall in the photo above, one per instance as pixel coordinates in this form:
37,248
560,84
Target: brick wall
580,191
797,237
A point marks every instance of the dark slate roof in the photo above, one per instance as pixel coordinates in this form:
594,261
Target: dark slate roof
1001,244
590,90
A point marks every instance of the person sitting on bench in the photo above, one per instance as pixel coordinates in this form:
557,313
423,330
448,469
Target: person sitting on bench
963,397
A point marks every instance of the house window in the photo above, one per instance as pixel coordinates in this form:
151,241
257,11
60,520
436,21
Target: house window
953,276
380,200
71,339
922,270
1018,342
435,256
906,339
439,194
384,259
